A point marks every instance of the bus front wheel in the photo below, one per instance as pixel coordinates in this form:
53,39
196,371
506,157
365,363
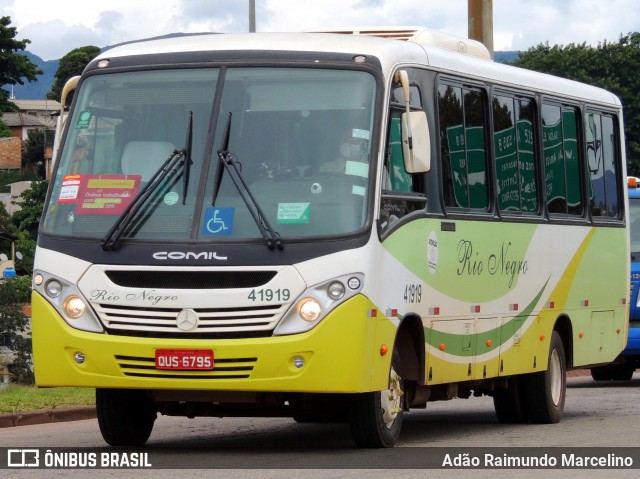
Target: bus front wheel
125,416
376,417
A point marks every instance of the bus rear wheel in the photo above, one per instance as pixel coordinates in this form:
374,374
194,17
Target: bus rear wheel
376,417
125,416
543,393
612,372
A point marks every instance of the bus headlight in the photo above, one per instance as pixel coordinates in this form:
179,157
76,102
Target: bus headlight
74,307
67,300
53,288
336,290
309,309
317,302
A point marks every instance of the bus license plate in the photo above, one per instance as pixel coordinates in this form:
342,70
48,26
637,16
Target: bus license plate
184,359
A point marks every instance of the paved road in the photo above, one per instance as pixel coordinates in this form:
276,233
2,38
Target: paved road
596,415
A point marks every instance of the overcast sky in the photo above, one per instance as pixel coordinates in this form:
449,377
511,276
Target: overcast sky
56,27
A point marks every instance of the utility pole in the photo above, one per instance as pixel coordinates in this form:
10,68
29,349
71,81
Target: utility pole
252,16
480,22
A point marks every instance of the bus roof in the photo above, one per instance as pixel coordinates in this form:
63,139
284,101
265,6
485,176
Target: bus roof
422,47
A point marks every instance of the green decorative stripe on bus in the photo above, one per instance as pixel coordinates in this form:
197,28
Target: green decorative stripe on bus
497,336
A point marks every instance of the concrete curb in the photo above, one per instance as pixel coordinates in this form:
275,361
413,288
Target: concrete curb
51,415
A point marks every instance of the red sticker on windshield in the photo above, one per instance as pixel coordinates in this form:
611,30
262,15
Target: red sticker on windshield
106,194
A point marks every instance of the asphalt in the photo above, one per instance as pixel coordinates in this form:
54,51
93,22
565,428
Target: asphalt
89,412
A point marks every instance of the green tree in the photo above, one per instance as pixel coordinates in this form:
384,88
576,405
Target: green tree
14,328
13,176
610,65
14,67
7,230
31,202
72,64
26,246
5,132
33,152
6,226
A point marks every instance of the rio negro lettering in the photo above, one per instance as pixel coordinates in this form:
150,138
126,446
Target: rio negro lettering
147,295
472,263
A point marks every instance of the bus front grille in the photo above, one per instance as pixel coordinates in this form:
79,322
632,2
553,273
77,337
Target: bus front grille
254,321
190,279
224,368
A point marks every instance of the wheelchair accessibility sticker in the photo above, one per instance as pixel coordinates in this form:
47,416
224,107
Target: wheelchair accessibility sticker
218,221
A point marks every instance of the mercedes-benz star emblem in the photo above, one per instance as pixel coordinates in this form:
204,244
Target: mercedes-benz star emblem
187,320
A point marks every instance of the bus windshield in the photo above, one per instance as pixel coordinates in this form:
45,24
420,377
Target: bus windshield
299,137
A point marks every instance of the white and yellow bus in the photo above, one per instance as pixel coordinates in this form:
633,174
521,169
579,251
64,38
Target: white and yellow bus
328,227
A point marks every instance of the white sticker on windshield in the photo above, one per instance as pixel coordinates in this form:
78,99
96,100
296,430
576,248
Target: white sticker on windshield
294,213
358,190
363,134
357,168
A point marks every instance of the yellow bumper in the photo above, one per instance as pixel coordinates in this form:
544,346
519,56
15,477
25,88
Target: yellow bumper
341,355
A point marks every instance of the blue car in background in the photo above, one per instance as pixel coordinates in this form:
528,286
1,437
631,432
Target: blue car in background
629,359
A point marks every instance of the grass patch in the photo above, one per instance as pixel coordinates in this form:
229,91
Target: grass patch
15,398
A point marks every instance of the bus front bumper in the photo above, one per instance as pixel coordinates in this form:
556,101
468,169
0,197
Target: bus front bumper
340,355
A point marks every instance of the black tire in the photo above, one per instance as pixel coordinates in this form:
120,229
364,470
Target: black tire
612,372
508,403
125,416
543,393
376,417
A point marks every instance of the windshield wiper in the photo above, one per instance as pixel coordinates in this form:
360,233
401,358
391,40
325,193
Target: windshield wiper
110,240
187,158
227,161
224,148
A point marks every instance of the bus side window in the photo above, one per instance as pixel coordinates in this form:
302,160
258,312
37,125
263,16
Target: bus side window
396,177
463,149
402,192
516,162
602,156
561,159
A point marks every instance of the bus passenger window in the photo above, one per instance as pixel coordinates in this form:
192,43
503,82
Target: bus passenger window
561,159
528,162
516,163
602,156
572,160
463,149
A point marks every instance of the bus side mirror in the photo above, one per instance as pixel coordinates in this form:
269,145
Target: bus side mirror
416,146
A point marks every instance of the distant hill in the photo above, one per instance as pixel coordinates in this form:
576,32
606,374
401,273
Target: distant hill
504,57
38,90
